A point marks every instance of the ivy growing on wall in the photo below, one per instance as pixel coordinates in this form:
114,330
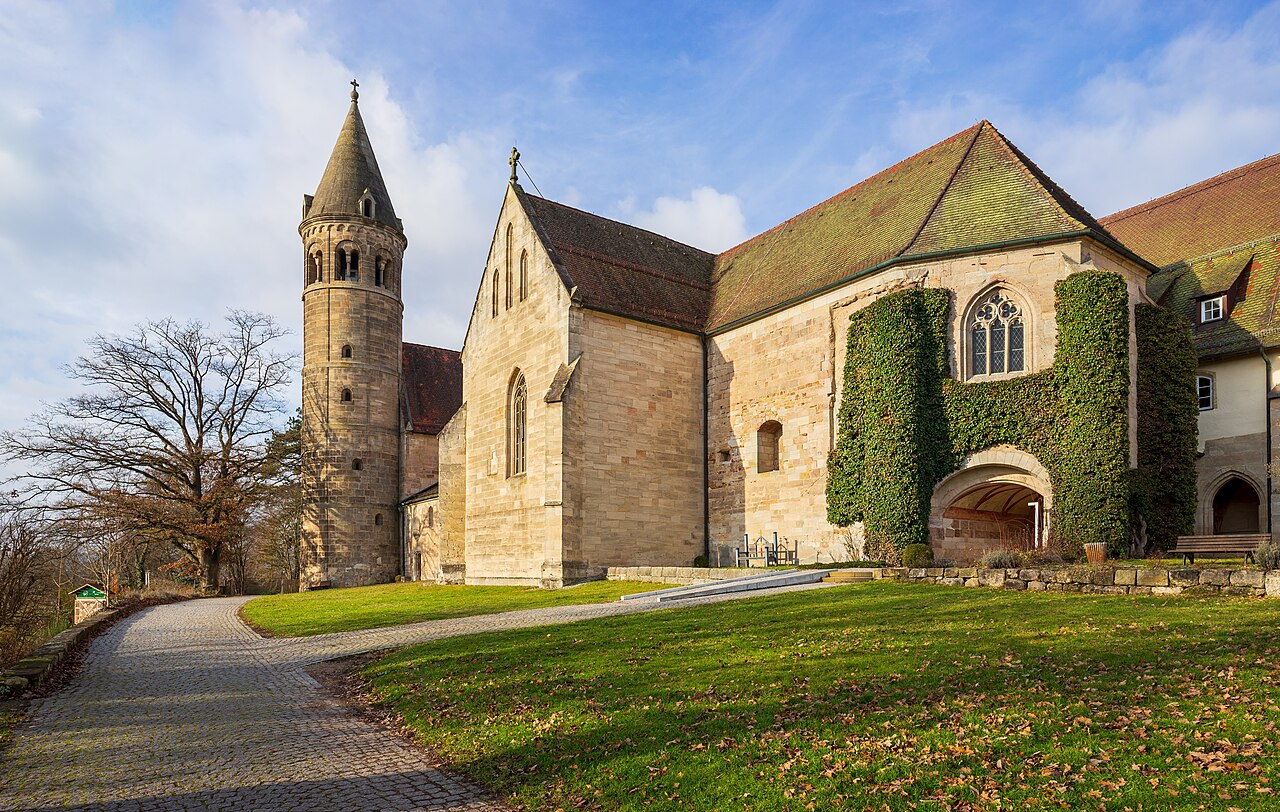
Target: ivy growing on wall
904,424
1164,485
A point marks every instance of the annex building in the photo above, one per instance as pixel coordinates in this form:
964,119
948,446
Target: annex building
623,399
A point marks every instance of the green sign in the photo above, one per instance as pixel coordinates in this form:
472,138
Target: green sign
89,591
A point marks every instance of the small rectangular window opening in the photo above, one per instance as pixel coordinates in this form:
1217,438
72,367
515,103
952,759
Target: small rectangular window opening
1212,309
1204,392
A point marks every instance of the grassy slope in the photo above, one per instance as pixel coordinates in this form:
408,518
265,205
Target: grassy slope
369,607
878,696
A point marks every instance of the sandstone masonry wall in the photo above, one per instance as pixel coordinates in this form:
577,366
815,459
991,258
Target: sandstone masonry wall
634,408
1102,580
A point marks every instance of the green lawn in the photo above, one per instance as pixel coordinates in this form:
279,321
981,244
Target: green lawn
882,696
371,607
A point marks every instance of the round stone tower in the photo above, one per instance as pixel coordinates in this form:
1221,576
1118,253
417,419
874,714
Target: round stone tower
352,319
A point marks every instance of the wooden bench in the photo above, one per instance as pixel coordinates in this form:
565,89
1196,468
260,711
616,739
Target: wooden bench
1218,546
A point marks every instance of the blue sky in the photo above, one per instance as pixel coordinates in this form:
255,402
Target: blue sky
153,157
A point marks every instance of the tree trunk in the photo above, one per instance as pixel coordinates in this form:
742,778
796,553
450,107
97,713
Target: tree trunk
209,571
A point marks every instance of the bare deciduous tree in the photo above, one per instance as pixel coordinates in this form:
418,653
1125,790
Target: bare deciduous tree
30,590
168,437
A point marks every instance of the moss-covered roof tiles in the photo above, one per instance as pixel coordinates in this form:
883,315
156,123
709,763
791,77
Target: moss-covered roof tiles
971,190
1251,320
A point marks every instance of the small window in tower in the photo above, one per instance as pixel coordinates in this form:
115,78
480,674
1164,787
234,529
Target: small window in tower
366,207
379,266
377,519
357,464
311,270
346,350
340,273
319,267
346,395
354,270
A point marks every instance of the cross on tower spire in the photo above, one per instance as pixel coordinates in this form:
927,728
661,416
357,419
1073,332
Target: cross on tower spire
514,160
355,94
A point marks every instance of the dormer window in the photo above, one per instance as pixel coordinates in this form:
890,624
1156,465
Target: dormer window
367,206
1213,309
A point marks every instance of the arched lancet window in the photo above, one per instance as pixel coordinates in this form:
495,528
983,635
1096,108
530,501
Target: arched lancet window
768,442
379,271
313,272
366,206
997,336
508,266
517,422
348,263
346,395
346,350
495,294
317,262
524,275
431,517
377,520
353,272
357,464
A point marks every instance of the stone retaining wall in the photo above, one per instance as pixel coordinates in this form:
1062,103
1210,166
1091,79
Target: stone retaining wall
678,575
28,673
1101,580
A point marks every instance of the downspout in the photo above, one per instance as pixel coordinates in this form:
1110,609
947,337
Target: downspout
707,466
1266,400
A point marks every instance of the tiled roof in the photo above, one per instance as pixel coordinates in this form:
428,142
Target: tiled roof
623,269
432,386
1231,209
1252,319
352,169
971,190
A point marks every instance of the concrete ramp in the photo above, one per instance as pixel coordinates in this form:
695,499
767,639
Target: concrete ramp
765,580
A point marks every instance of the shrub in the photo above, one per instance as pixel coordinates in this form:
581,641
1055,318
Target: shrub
917,555
1000,559
701,561
1268,554
1037,558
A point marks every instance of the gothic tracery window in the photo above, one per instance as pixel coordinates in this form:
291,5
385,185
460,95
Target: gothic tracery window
997,336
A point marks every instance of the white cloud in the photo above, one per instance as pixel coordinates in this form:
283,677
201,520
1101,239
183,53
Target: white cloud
157,169
707,219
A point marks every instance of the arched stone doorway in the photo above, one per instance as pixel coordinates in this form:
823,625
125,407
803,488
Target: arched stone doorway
1000,498
1237,508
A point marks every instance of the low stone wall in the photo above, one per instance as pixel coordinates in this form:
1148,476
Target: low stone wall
30,672
1101,580
678,575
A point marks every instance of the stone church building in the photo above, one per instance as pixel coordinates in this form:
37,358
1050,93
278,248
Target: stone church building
624,399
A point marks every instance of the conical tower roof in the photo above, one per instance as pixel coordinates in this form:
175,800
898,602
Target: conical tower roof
352,171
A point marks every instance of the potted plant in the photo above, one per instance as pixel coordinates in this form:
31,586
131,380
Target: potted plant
1096,551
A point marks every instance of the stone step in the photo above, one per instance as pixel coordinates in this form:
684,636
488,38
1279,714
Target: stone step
765,580
848,576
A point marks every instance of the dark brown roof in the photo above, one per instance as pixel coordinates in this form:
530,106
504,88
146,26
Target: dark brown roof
623,269
352,170
432,386
973,189
1222,212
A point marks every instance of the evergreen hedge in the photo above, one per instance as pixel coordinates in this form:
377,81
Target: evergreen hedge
904,424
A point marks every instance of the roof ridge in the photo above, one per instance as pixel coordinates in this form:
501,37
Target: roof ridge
1066,204
1193,189
843,193
617,222
430,347
924,223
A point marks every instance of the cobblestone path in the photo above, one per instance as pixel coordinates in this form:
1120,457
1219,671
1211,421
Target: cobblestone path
182,707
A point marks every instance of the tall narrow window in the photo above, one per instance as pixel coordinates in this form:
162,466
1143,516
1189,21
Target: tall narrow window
379,271
997,336
340,272
353,272
517,421
366,207
495,294
319,267
508,265
768,442
1204,392
524,275
312,271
